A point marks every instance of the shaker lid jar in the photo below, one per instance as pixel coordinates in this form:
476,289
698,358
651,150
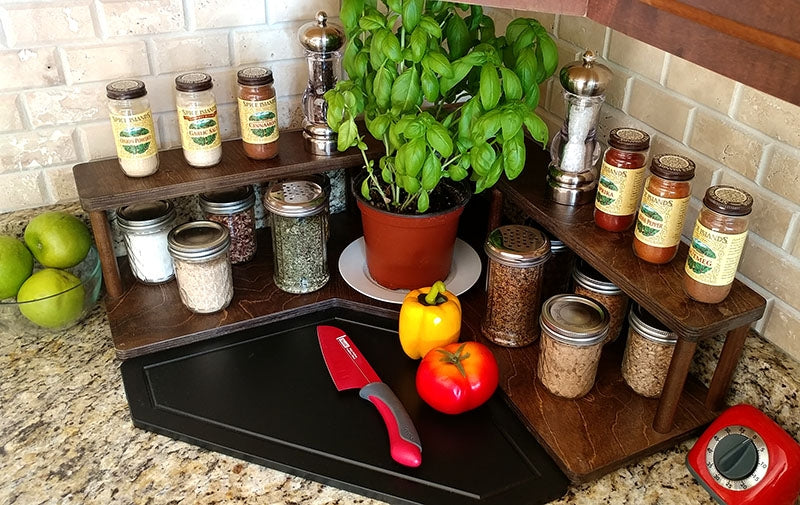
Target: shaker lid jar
298,198
144,216
517,246
198,241
228,201
576,320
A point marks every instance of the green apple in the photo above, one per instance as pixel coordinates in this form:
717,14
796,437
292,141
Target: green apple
58,239
51,298
16,265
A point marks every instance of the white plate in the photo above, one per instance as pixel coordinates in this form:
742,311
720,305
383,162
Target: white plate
464,272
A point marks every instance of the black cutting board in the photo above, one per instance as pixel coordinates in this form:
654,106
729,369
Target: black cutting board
264,395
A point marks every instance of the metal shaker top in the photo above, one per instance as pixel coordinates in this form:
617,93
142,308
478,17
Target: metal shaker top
321,37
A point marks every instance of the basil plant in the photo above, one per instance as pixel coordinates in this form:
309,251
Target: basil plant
408,62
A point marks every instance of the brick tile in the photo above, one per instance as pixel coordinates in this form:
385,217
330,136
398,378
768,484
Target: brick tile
723,140
772,269
28,24
106,62
61,184
10,119
636,56
299,10
41,148
704,167
664,112
22,191
141,17
583,32
98,140
776,118
691,218
29,68
615,94
771,216
700,84
66,105
223,13
783,328
191,53
252,47
783,174
291,77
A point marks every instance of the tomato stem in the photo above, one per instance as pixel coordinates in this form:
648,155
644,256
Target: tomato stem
455,358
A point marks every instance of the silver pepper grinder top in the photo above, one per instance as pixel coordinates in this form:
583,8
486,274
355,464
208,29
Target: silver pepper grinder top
322,42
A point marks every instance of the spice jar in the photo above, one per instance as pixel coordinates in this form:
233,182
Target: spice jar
517,255
197,119
573,330
558,269
648,353
144,229
717,243
258,113
234,209
133,128
203,271
589,282
298,225
663,208
621,179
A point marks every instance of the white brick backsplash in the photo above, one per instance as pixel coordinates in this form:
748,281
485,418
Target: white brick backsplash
637,56
271,44
725,141
290,112
651,104
783,328
24,190
217,14
772,269
770,115
29,68
106,62
291,77
705,168
98,140
583,32
185,54
141,17
279,11
699,84
44,23
41,148
783,174
10,118
61,184
65,105
169,136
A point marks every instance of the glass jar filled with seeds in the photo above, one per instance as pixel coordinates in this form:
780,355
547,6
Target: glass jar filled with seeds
573,330
234,209
199,250
648,353
144,227
517,255
589,282
299,226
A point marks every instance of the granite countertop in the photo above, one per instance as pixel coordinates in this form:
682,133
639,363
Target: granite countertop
66,435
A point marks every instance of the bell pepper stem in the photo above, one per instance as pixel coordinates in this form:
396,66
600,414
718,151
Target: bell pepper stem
432,298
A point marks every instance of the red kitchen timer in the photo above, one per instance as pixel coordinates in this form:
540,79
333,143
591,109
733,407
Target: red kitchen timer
745,458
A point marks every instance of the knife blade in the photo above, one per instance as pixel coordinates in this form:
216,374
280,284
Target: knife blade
349,369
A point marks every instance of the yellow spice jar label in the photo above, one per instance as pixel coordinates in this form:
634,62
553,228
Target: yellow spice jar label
714,257
134,135
199,128
259,120
618,189
660,220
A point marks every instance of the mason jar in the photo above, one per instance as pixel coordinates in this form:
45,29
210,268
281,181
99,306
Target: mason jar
589,282
234,209
648,353
145,227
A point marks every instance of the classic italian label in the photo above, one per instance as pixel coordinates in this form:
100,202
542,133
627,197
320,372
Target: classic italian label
259,120
199,128
133,136
618,189
660,220
714,257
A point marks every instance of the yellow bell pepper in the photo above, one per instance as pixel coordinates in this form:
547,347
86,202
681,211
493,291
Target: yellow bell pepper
429,318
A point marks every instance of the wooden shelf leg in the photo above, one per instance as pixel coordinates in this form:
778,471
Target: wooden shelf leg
105,249
495,210
673,386
721,381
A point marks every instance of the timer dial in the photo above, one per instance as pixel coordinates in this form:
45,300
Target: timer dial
737,458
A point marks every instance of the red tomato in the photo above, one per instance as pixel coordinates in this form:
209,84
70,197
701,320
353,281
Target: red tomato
457,377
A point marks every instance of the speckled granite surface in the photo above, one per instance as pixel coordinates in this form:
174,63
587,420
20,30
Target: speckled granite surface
66,435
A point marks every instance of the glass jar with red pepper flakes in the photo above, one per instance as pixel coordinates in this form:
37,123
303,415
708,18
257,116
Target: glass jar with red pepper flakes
621,179
663,208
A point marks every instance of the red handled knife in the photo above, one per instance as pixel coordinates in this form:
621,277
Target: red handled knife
349,369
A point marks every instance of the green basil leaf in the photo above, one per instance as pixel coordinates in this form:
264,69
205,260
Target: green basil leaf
348,133
511,123
524,40
395,139
335,112
487,28
349,14
349,58
532,96
376,55
414,130
490,89
431,172
512,87
494,173
447,122
391,48
372,22
431,27
415,156
438,62
515,28
395,5
460,70
387,175
423,202
418,45
457,172
458,36
382,87
525,67
430,85
378,126
482,156
406,91
359,67
404,123
486,126
549,54
410,184
439,139
539,62
365,189
536,127
412,13
514,155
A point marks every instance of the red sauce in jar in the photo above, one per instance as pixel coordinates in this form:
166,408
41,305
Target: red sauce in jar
621,179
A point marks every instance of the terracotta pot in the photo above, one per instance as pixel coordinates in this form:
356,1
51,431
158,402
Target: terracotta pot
410,251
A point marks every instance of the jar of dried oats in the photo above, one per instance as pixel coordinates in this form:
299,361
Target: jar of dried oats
234,209
517,255
573,330
199,250
648,353
589,282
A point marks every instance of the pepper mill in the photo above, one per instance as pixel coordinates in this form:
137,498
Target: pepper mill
572,175
322,42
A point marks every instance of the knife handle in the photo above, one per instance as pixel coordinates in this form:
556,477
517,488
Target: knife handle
404,441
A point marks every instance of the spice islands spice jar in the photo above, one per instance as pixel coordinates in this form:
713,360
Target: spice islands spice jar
258,113
589,282
133,128
648,353
621,179
197,119
234,209
517,255
717,243
663,208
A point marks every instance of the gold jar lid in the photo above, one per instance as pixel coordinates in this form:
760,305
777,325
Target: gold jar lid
517,246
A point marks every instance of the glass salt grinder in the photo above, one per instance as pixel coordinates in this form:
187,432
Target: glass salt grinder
322,42
572,176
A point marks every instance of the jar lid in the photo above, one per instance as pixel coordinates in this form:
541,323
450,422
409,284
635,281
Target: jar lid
193,81
144,215
586,276
574,319
198,241
125,89
321,37
728,200
673,167
585,77
295,198
646,325
516,245
255,76
228,201
629,139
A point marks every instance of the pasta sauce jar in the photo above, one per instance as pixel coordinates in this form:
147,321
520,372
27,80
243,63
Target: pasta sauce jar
621,179
663,208
258,113
717,242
